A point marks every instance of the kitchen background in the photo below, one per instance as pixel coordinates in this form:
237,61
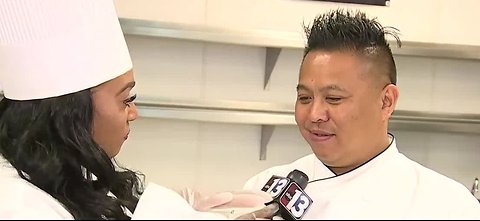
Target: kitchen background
216,86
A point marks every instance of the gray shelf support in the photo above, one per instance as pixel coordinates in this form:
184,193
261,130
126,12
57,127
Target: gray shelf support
267,131
271,59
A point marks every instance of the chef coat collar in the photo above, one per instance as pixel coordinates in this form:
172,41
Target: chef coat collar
322,172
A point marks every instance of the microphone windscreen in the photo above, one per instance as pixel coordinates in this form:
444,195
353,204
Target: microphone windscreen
299,177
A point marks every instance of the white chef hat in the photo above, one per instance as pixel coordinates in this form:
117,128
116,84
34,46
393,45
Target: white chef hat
50,48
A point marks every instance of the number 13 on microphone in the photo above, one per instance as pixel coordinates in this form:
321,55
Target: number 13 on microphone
276,185
295,201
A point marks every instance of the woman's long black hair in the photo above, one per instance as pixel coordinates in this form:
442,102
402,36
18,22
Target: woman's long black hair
49,142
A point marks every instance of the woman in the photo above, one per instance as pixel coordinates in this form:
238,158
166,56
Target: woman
60,129
62,146
67,77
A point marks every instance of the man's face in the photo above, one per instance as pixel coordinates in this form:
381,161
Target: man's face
339,107
113,110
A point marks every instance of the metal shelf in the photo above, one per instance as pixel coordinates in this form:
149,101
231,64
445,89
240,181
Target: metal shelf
243,112
237,112
260,38
269,115
275,41
279,39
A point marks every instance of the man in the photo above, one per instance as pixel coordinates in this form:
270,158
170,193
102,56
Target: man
346,94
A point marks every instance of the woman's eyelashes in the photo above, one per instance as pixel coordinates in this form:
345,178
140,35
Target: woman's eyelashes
129,100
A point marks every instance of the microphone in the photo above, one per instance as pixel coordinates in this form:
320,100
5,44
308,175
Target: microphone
288,193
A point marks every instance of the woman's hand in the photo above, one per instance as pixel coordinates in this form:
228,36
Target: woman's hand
245,204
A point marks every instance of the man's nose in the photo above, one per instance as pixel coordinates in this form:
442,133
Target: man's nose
318,111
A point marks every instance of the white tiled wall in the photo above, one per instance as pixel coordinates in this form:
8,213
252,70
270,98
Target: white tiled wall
233,72
177,11
415,78
167,68
217,156
454,155
456,86
214,157
205,156
237,73
438,85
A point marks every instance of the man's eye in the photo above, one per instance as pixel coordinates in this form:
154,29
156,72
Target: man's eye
304,99
129,100
333,99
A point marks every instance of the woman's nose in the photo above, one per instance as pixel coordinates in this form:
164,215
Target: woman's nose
132,112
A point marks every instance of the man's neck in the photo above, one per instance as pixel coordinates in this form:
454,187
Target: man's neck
377,151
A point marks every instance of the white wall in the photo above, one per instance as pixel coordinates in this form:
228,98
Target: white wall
438,85
206,156
216,156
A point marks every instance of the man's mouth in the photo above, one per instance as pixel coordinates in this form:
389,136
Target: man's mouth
321,135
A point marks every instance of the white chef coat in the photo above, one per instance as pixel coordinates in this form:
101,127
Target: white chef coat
20,199
389,186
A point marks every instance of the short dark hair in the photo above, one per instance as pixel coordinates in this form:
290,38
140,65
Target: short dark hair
353,31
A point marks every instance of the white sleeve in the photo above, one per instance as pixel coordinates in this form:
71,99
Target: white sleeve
467,207
258,181
23,201
254,183
29,212
158,202
304,164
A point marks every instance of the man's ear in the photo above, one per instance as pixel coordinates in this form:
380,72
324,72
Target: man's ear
389,100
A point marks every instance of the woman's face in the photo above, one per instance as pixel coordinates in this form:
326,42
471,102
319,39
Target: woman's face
113,110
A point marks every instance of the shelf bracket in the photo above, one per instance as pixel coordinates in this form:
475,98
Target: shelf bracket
267,131
270,61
